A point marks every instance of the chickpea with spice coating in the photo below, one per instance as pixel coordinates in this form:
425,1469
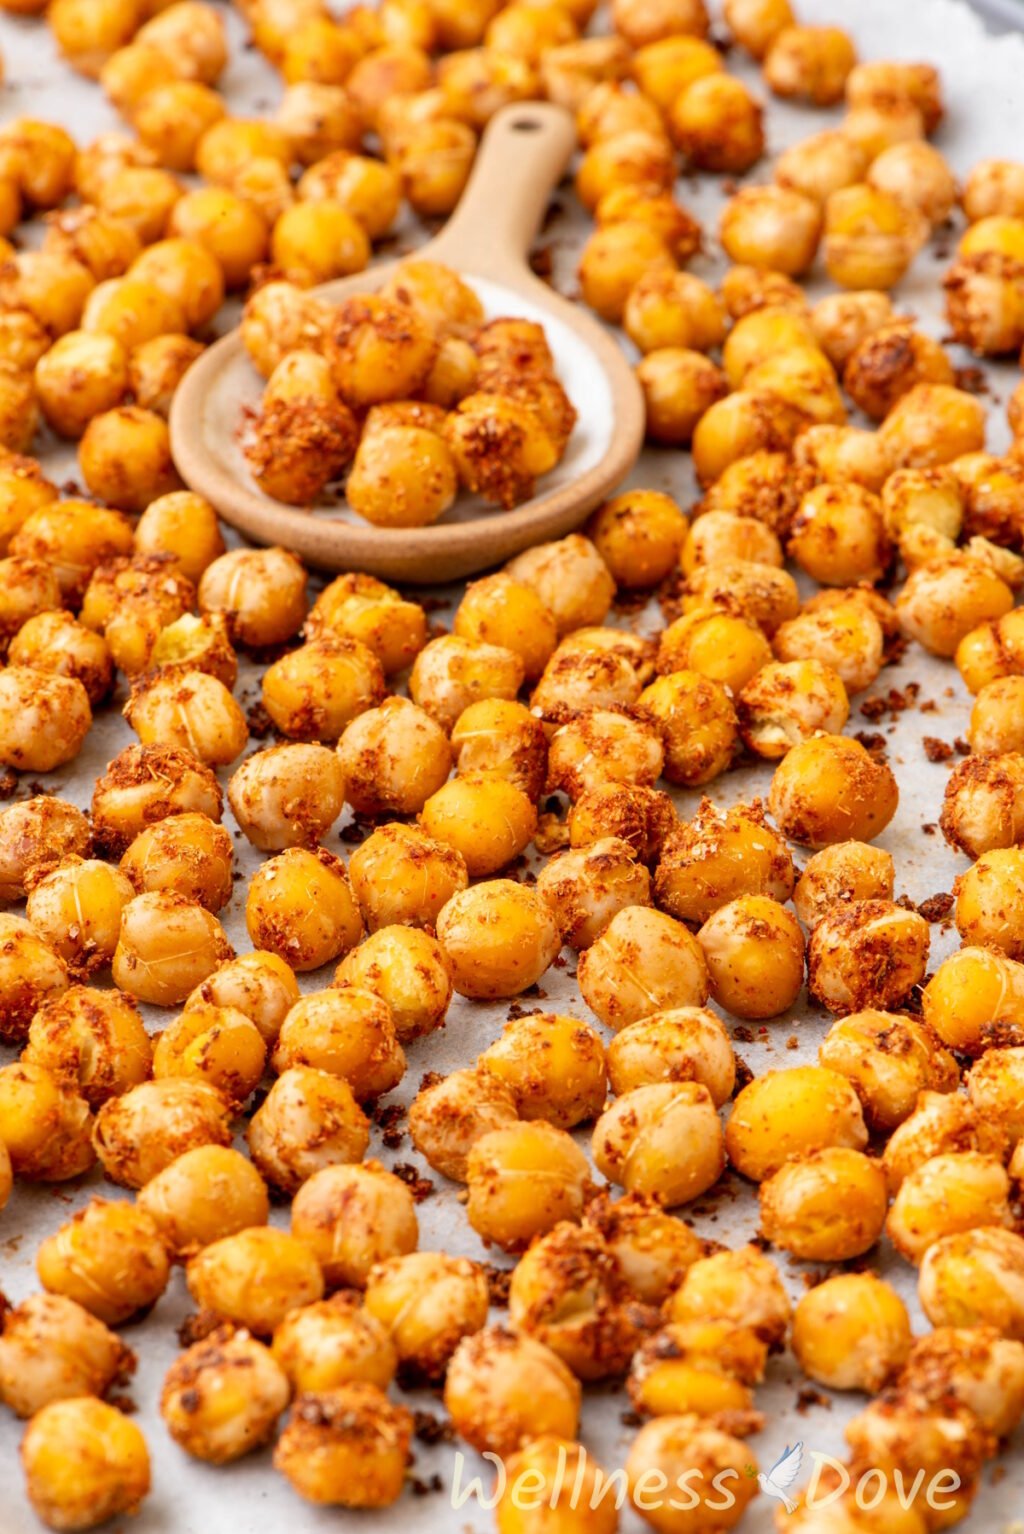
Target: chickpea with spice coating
587,887
402,876
139,1133
668,309
393,758
664,1140
679,387
983,805
255,1278
988,898
206,1193
718,125
772,227
108,1258
741,1286
502,1389
829,789
828,1207
973,1278
287,796
674,968
722,646
844,872
55,642
346,1447
668,1447
146,784
870,237
522,1180
450,673
639,535
308,1120
530,939
867,954
946,1196
346,1031
222,1397
448,1116
718,856
554,1067
189,709
260,592
683,1044
334,1342
503,739
428,1301
105,1453
301,906
45,1125
37,831
361,607
851,1332
312,693
820,165
787,702
754,951
941,1123
792,1113
214,1044
53,1350
168,945
44,719
993,1086
93,1042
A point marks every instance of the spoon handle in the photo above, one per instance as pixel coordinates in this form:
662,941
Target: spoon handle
522,156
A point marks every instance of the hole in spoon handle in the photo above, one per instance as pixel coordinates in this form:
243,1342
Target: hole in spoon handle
523,154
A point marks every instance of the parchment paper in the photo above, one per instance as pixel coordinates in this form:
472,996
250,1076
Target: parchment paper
983,80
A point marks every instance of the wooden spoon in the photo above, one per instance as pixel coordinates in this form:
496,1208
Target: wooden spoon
522,156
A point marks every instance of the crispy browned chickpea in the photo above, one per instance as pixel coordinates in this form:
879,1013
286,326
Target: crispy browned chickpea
845,636
718,124
155,369
502,1389
977,1367
93,1042
684,1044
553,1066
347,1031
744,422
664,1140
571,579
171,119
57,643
487,818
503,739
401,875
638,535
347,1446
718,856
36,832
449,1116
287,796
942,1122
40,159
587,887
603,746
871,238
500,610
214,1044
312,693
353,1217
83,374
222,1397
844,872
944,599
361,607
697,723
648,203
302,436
145,784
139,1133
24,488
675,971
30,588
996,718
204,1194
754,951
75,538
168,945
192,33
334,1342
407,968
108,1258
891,1060
933,424
45,1124
792,1113
392,759
983,799
851,1332
830,789
810,64
773,227
450,673
255,1277
53,1350
301,906
428,1302
309,1120
367,189
789,701
867,954
189,709
43,719
679,387
987,901
260,592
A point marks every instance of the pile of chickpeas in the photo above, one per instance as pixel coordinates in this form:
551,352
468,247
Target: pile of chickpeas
573,1144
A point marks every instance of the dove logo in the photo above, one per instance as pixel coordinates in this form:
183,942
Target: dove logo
782,1475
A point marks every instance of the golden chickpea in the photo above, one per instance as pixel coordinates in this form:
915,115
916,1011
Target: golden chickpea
36,832
820,165
828,1207
697,722
745,289
772,227
993,1088
155,369
487,818
995,715
634,158
843,629
92,1042
24,489
877,126
684,1044
587,887
312,693
334,1342
571,579
678,230
502,1389
353,1217
932,425
308,1120
53,1350
944,599
788,702
287,796
978,1367
168,945
183,525
19,414
315,242
702,1368
670,310
845,872
172,118
39,158
754,951
142,1131
131,73
988,899
718,125
108,1453
192,33
318,119
31,971
400,875
553,1066
884,80
609,109
917,174
367,189
851,1332
838,535
204,1194
259,985
993,187
214,1044
360,607
675,971
967,991
742,1287
428,1302
867,955
890,362
980,805
45,1125
31,587
793,1112
638,535
530,939
679,386
452,672
450,1115
830,789
301,906
553,1465
870,237
82,375
499,610
108,1258
255,1277
145,784
392,759
718,856
125,457
744,422
758,335
346,1031
281,318
946,1196
942,1122
582,676
232,144
718,645
502,739
189,709
130,600
810,64
664,1140
55,642
614,260
346,1447
222,1397
260,592
842,321
973,1278
755,24
653,1249
522,1180
668,1447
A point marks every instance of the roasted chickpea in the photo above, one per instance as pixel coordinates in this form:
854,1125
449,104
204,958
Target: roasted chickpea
522,1180
24,489
168,945
586,888
40,157
545,1462
83,374
145,784
828,1207
92,1042
787,702
449,1116
189,709
53,1350
401,875
941,1123
945,599
207,1193
679,387
106,1449
699,1367
428,1302
668,1447
360,607
346,1447
980,805
830,789
932,425
697,722
718,856
530,939
352,1218
260,592
946,1196
393,759
55,642
408,970
309,1120
810,64
846,871
871,238
994,717
185,526
638,535
820,165
675,971
31,971
125,457
334,1342
744,422
43,719
980,1369
255,1277
635,158
754,951
132,312
287,796
503,1389
108,1258
450,673
215,1044
222,1397
502,739
867,955
851,1332
650,204
725,648
37,832
301,906
192,33
685,1044
793,1112
346,1031
718,124
553,1066
884,81
603,746
916,174
973,1278
312,693
45,1125
664,1140
487,818
742,1287
987,901
142,1131
772,227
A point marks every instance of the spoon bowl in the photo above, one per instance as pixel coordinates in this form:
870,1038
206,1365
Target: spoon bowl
522,156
